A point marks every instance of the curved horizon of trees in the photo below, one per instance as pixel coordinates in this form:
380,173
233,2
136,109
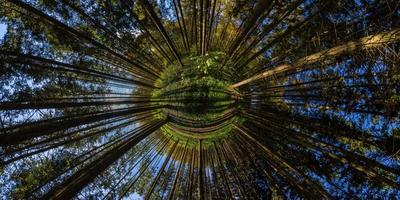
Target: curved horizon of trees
200,99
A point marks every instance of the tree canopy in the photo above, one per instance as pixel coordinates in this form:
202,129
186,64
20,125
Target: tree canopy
200,99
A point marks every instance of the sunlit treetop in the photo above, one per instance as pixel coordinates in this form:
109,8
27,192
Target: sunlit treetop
199,99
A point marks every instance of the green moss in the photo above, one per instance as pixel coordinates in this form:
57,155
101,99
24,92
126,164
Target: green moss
196,89
196,92
191,140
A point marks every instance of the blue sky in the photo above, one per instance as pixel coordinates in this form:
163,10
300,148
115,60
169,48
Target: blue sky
3,29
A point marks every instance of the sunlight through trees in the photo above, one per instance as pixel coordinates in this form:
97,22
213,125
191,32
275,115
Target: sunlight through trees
199,99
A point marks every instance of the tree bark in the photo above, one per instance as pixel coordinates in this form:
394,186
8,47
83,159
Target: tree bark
372,41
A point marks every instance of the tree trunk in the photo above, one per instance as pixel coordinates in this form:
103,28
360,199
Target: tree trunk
71,186
372,41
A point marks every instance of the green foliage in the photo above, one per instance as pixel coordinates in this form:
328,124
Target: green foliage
197,92
74,73
196,87
27,179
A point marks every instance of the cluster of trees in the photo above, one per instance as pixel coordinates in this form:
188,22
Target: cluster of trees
279,99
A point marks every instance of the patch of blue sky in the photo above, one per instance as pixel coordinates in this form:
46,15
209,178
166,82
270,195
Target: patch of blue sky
3,30
28,115
329,186
367,122
134,196
168,13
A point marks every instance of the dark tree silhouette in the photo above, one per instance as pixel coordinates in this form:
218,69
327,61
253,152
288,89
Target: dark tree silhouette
200,99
